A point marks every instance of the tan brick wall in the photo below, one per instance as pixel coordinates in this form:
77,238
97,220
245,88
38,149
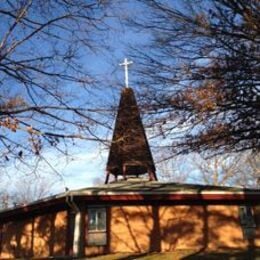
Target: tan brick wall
166,228
131,229
224,229
135,229
36,236
181,227
50,234
94,250
16,239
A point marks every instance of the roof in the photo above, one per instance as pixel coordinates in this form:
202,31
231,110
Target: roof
143,186
139,191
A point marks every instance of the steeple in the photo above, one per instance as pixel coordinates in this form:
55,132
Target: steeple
130,154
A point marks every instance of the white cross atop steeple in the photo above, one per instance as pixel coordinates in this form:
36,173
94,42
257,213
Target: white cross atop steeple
126,63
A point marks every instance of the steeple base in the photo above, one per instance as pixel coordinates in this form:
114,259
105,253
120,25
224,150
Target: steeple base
151,174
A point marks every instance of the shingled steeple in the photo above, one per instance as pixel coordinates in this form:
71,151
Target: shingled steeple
130,154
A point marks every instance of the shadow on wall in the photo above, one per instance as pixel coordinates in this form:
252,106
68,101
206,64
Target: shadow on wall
137,229
202,228
154,228
37,236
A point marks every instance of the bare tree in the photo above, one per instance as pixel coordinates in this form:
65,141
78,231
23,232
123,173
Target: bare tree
228,170
4,196
29,189
176,170
200,64
25,190
241,169
45,85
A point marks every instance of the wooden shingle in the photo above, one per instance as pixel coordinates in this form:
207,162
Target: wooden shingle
129,152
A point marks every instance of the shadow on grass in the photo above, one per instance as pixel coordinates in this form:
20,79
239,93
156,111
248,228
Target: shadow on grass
183,255
134,256
123,256
244,255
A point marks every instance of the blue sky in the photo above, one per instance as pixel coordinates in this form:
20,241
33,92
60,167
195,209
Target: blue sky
89,158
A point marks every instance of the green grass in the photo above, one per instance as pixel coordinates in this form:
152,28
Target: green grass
183,255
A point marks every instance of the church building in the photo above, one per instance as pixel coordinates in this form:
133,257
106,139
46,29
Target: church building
133,213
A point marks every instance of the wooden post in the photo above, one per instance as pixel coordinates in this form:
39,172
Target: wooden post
107,177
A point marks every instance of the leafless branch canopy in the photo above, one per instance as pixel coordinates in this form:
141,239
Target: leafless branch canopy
201,70
44,82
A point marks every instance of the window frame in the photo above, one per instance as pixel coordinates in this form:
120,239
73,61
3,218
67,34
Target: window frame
247,221
100,234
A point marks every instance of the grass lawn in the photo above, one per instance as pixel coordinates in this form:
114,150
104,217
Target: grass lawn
183,255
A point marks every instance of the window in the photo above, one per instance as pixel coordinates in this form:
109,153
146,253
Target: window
247,222
97,233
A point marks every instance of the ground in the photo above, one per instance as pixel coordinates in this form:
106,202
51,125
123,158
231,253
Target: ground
184,255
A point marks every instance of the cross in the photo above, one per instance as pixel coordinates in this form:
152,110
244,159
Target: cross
126,63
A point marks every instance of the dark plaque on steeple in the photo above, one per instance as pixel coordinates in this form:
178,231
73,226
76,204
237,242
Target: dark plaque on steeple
130,154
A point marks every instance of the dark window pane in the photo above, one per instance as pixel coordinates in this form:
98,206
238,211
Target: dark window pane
101,220
97,234
97,219
92,225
